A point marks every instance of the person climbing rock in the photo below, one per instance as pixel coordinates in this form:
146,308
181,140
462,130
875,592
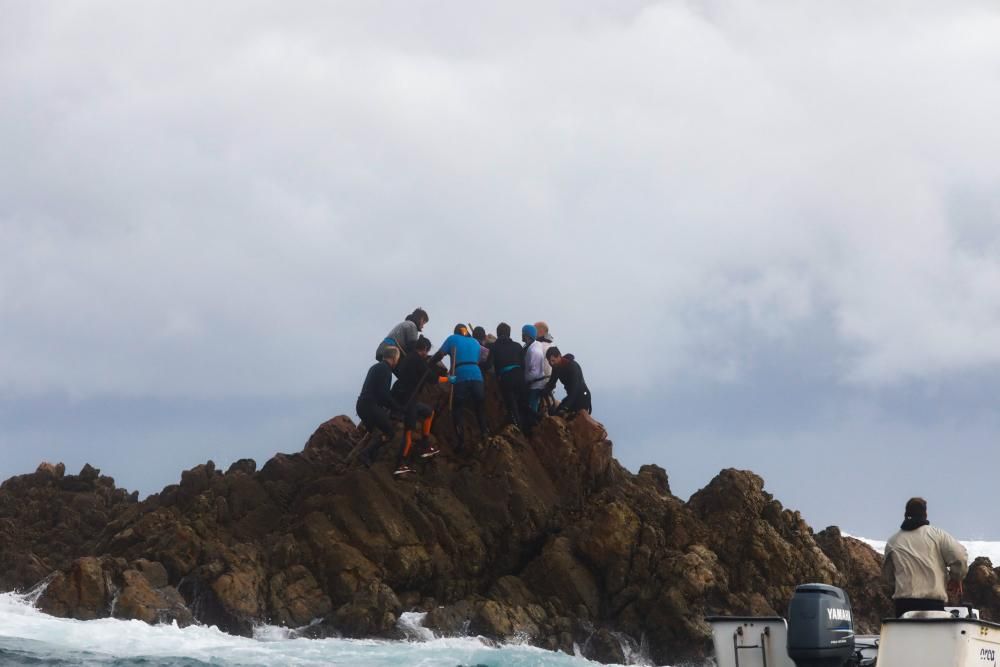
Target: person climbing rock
479,334
376,401
464,351
413,372
923,563
536,369
507,365
565,369
405,334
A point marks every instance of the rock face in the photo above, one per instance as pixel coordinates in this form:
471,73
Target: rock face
548,540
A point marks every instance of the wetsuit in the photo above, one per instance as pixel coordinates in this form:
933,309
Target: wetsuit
374,404
465,352
507,357
410,372
577,393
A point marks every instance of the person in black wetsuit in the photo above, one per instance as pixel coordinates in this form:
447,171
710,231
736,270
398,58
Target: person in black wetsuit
413,372
376,401
568,371
508,357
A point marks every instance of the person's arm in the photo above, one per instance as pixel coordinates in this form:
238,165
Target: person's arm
888,568
955,557
573,384
410,336
551,384
533,364
443,350
385,393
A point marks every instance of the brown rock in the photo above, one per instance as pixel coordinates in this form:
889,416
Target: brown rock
296,598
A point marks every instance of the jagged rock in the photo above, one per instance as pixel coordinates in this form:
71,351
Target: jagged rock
605,648
296,597
982,588
81,593
547,540
373,611
141,599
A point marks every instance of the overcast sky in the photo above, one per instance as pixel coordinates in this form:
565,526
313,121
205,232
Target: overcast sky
769,230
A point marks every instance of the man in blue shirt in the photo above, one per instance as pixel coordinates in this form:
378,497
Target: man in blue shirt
468,380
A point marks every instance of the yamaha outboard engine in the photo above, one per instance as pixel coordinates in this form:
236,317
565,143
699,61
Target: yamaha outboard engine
820,626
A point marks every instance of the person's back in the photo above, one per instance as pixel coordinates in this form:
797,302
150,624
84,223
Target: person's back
507,356
465,351
405,334
922,562
468,380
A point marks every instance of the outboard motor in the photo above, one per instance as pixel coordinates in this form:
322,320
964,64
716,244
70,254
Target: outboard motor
820,626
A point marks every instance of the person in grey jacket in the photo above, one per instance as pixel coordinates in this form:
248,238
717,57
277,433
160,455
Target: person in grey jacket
923,563
405,334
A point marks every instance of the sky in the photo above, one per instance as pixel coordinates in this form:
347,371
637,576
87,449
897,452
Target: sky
768,230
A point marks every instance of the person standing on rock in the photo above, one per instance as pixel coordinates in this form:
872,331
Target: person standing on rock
536,369
923,563
568,371
376,401
405,334
507,357
468,380
413,372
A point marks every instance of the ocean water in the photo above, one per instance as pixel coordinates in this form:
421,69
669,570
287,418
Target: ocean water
29,637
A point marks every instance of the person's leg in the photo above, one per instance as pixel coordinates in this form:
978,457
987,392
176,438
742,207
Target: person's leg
528,418
508,390
426,413
458,413
380,421
534,399
478,393
904,605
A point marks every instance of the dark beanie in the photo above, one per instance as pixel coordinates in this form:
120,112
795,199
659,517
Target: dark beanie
916,508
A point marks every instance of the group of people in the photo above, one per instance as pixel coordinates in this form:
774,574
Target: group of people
526,373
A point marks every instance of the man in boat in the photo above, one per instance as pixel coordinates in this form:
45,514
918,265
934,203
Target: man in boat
923,563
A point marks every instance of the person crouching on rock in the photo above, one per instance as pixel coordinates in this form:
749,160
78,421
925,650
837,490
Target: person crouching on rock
376,401
413,372
568,371
920,559
468,380
405,334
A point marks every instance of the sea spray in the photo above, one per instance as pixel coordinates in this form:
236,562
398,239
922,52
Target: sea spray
27,636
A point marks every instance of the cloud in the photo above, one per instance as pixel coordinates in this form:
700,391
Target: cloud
241,199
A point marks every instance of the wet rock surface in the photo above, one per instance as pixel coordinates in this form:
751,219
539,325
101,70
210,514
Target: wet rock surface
547,540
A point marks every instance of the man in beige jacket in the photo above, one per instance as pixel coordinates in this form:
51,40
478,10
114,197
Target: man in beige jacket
923,562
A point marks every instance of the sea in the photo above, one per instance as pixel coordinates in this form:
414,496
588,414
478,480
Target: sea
29,637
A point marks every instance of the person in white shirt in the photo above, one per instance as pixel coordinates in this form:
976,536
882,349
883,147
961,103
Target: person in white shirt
923,563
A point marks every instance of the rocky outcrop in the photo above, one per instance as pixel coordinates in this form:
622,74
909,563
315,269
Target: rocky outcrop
547,540
49,518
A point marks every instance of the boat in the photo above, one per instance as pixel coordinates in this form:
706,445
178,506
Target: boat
819,632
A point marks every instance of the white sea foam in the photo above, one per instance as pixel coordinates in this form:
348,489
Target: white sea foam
26,632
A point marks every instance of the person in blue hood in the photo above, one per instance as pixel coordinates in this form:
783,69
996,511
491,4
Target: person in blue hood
464,351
